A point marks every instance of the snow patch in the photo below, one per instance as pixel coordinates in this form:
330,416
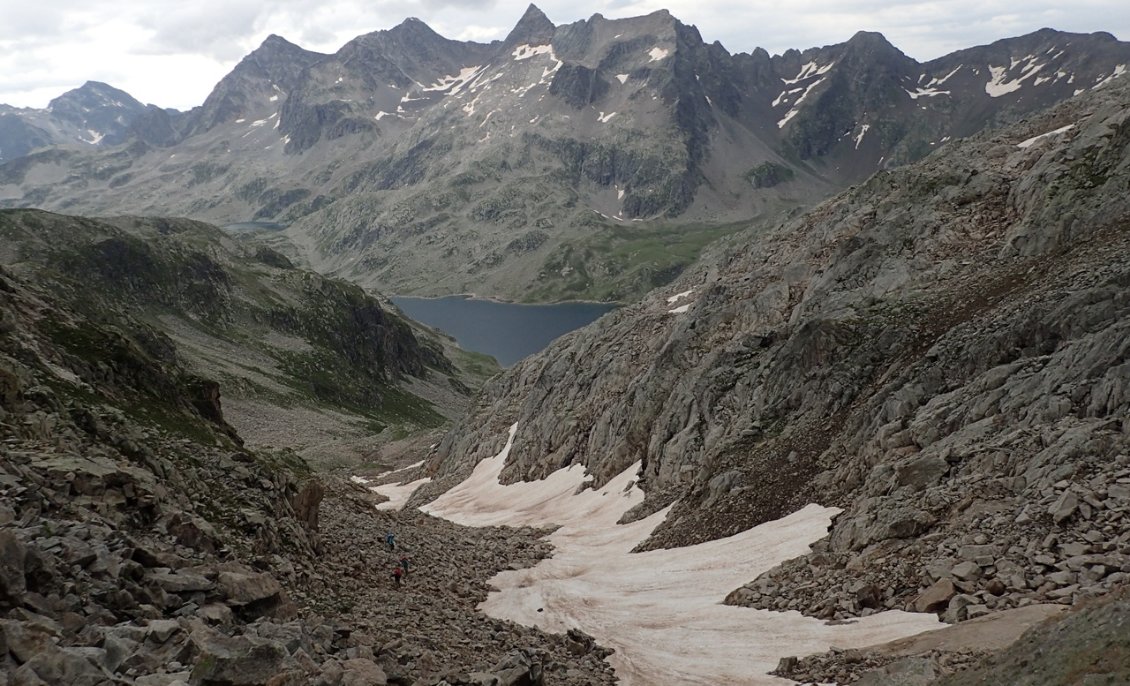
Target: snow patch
809,70
862,132
622,78
273,98
680,309
796,105
359,480
679,296
455,82
659,610
605,118
937,82
96,136
525,52
657,53
925,92
784,94
240,121
998,85
397,494
382,114
1035,139
1118,71
620,194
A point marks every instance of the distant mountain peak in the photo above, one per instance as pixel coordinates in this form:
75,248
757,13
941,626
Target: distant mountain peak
534,28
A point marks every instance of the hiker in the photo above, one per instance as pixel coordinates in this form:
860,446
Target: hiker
396,574
390,539
404,564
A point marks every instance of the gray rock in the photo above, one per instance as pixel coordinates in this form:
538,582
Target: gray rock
910,671
244,589
238,662
12,554
936,597
182,582
161,630
362,673
921,472
1064,507
966,570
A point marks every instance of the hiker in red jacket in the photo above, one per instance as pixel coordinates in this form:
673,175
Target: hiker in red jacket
397,572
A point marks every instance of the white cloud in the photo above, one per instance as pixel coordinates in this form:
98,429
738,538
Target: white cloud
171,53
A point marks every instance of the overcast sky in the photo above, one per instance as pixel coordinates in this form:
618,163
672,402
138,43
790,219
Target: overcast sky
172,52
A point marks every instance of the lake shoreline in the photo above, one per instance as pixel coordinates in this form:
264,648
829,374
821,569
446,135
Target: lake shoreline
504,301
506,331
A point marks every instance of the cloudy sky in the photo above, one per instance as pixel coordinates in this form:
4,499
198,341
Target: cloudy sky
171,52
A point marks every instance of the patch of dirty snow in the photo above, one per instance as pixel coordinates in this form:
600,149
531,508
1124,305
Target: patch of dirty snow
925,92
455,82
359,480
862,132
1035,139
784,94
679,296
998,85
681,309
605,118
622,78
659,610
939,81
525,52
1118,71
796,105
657,53
809,70
397,494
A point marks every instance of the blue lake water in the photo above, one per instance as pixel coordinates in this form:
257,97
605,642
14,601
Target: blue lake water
507,331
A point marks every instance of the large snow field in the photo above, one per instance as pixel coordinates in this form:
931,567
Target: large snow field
660,610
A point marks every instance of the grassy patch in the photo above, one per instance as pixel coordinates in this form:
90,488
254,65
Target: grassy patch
622,263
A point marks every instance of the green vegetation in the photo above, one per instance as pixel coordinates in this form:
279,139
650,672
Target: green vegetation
769,174
622,263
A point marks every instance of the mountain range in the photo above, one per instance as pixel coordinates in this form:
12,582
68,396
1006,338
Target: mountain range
589,160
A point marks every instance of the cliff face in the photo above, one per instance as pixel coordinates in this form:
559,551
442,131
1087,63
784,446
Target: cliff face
946,334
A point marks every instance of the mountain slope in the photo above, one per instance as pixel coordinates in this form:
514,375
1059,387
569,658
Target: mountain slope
940,351
304,360
419,164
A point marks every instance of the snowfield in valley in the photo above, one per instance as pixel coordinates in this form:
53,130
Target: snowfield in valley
660,610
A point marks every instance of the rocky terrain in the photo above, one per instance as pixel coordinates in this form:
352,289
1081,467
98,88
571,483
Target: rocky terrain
592,160
142,543
289,347
940,351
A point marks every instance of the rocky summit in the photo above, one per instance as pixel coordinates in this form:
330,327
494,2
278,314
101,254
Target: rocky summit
592,160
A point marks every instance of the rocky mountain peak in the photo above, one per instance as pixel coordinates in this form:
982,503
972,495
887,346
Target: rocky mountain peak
534,28
873,46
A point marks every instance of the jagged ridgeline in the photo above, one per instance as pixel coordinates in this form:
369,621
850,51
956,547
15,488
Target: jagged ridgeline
589,160
285,346
941,351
